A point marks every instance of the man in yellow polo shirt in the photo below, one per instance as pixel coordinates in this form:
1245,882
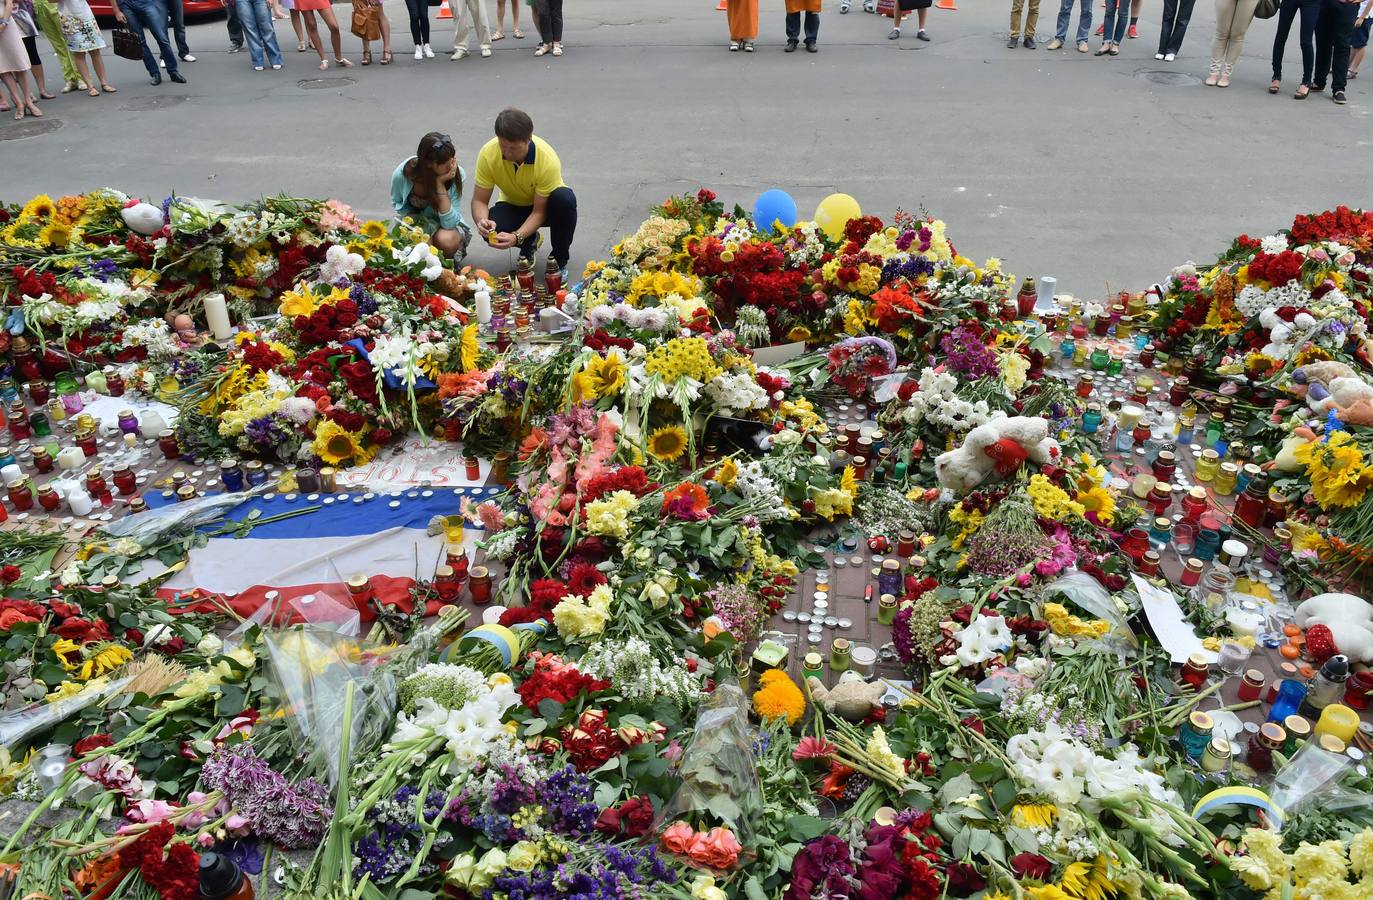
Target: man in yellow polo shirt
530,178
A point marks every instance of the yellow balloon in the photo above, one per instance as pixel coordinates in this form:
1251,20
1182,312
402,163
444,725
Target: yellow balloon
834,212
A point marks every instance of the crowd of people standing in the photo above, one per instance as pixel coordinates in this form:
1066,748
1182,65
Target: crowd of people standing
1333,35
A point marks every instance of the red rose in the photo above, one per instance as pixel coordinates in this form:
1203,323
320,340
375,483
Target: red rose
381,435
64,610
350,421
963,879
172,647
608,822
637,815
1031,865
134,636
94,742
74,629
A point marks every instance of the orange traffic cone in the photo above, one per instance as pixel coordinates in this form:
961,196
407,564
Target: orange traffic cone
446,13
939,4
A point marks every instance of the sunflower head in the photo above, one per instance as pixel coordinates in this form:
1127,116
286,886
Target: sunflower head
667,443
337,445
55,234
373,230
40,207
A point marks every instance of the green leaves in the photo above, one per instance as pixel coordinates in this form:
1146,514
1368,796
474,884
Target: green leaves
805,828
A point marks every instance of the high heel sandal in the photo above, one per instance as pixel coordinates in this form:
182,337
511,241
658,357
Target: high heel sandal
386,58
34,110
300,46
367,57
1302,91
1275,86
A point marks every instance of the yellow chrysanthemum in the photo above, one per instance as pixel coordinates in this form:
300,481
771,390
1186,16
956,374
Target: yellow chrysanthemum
667,443
468,348
1034,815
1051,501
337,445
727,473
778,697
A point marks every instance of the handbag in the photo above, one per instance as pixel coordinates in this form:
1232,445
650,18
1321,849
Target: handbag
366,21
127,45
1267,9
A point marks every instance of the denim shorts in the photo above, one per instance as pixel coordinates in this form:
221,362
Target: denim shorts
1360,36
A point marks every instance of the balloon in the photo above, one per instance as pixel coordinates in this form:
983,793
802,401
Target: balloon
772,206
834,212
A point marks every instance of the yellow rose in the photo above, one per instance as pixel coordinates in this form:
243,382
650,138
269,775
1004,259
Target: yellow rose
461,871
489,866
523,857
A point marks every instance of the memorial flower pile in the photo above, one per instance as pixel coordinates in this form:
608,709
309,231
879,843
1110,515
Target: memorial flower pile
899,612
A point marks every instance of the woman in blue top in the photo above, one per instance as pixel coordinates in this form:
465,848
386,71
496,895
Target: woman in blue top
427,187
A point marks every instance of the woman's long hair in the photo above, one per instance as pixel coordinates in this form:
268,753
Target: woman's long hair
435,149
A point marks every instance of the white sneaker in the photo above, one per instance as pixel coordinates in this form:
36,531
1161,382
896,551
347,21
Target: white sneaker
459,53
428,52
419,53
164,64
1158,56
1170,57
188,58
275,67
257,68
486,52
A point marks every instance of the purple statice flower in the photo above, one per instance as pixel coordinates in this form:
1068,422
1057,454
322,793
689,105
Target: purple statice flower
566,796
358,293
291,816
965,352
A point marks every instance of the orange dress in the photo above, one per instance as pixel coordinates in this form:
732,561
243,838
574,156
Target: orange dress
810,6
743,19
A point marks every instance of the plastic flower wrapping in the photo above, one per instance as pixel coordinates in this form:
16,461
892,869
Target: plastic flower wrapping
816,560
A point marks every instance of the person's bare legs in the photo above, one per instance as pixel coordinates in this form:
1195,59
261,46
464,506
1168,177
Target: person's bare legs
41,83
312,29
15,99
385,34
80,60
335,36
920,17
98,63
300,30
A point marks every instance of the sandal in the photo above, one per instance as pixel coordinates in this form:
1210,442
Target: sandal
367,57
109,88
1302,92
1275,86
343,61
323,64
386,58
35,111
497,36
519,35
543,49
94,92
300,46
44,95
18,113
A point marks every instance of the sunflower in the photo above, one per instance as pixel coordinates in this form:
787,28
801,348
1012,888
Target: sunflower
40,207
55,234
336,445
1344,487
667,443
373,230
1100,501
468,348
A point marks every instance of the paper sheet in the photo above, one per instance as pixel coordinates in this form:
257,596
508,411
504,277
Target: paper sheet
1171,628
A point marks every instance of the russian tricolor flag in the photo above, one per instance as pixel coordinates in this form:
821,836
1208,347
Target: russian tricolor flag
383,535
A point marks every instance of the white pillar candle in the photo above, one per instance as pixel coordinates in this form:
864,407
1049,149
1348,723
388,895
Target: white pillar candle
549,317
217,316
483,299
11,472
79,501
1044,295
70,458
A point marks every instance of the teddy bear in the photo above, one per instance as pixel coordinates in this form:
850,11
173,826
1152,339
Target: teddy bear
1333,385
1280,344
1338,623
143,218
851,697
999,446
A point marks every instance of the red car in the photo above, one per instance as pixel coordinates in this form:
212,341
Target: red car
104,10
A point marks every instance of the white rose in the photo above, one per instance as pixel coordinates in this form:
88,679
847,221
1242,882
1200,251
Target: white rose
209,645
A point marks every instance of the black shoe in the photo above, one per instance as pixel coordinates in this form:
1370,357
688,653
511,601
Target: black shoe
921,35
1029,42
178,78
1317,88
1013,42
791,47
811,48
155,80
236,48
1338,97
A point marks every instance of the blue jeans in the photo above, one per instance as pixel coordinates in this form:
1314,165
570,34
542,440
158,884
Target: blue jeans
1117,11
1084,20
259,31
152,15
794,27
177,13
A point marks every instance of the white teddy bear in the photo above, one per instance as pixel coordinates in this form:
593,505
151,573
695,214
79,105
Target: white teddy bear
1349,618
1280,333
143,218
999,445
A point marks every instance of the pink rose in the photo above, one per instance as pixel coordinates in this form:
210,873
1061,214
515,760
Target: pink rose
717,848
677,838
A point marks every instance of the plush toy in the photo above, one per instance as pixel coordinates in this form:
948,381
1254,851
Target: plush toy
1343,621
852,697
1286,459
1000,446
1280,344
143,218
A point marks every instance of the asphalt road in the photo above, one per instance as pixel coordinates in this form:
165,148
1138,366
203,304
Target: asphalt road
1102,171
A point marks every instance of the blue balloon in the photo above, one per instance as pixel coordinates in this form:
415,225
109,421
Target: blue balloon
773,206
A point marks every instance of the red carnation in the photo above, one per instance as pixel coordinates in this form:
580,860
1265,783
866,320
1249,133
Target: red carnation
9,574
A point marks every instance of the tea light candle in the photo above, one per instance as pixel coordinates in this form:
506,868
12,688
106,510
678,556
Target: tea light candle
1339,720
70,458
1244,623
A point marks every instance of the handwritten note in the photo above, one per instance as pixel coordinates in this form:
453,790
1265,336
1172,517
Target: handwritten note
1170,626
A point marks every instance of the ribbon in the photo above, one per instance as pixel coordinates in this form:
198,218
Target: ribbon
1240,796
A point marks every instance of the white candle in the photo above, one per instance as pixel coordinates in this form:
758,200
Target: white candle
151,423
217,316
1044,296
70,458
492,615
79,501
549,318
483,307
11,472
